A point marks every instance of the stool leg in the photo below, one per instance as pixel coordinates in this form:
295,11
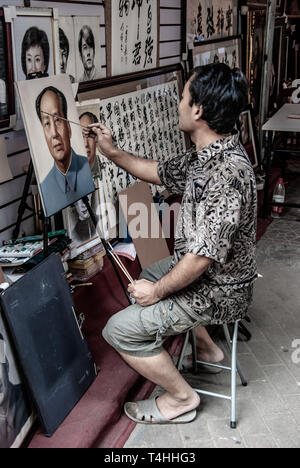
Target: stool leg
194,351
180,359
239,369
233,376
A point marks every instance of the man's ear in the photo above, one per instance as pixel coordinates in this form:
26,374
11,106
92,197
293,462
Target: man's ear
197,112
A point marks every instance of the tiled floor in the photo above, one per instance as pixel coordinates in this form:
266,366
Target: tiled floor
269,408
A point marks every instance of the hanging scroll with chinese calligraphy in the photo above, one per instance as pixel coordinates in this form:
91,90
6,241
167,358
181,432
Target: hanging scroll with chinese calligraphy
211,19
132,35
144,123
142,112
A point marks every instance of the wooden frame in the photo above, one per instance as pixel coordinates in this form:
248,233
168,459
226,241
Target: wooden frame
256,21
109,38
205,53
219,19
50,15
248,136
7,77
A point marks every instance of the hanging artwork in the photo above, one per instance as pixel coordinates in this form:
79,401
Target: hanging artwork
211,19
133,35
249,136
55,139
80,47
144,123
228,52
255,47
67,50
34,36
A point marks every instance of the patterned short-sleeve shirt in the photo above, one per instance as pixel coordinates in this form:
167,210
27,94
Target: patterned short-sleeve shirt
217,220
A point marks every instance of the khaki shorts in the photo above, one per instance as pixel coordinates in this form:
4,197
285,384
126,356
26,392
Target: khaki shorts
141,331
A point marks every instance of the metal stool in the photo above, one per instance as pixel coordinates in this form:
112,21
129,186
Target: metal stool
235,367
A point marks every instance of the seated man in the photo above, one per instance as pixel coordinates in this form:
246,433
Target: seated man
210,278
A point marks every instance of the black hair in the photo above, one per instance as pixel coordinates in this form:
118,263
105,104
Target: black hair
89,39
90,115
63,41
59,94
223,94
35,37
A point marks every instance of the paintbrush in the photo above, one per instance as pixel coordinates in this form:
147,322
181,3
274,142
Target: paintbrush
91,133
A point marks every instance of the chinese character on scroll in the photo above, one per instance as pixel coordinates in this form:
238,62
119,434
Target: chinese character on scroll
144,123
134,36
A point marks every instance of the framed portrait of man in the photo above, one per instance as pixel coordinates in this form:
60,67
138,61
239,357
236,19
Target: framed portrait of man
67,49
88,113
56,143
88,48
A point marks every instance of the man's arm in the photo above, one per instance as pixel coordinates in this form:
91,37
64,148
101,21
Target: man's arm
143,169
188,270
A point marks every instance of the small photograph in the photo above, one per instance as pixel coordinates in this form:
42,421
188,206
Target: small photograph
67,52
55,138
34,47
88,48
88,113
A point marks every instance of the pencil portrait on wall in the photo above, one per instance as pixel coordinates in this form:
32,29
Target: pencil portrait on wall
88,48
67,52
55,138
34,49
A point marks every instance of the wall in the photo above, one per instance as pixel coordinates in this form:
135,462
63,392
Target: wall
17,146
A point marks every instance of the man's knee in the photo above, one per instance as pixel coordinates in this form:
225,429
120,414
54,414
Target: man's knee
113,330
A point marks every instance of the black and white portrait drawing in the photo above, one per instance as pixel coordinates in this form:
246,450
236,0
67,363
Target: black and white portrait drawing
88,48
67,53
34,47
55,137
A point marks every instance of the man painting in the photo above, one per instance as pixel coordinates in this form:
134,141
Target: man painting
70,178
210,278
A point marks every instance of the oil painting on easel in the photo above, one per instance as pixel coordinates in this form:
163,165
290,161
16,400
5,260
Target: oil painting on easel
56,143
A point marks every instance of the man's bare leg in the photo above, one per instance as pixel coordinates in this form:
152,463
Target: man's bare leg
207,350
179,397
